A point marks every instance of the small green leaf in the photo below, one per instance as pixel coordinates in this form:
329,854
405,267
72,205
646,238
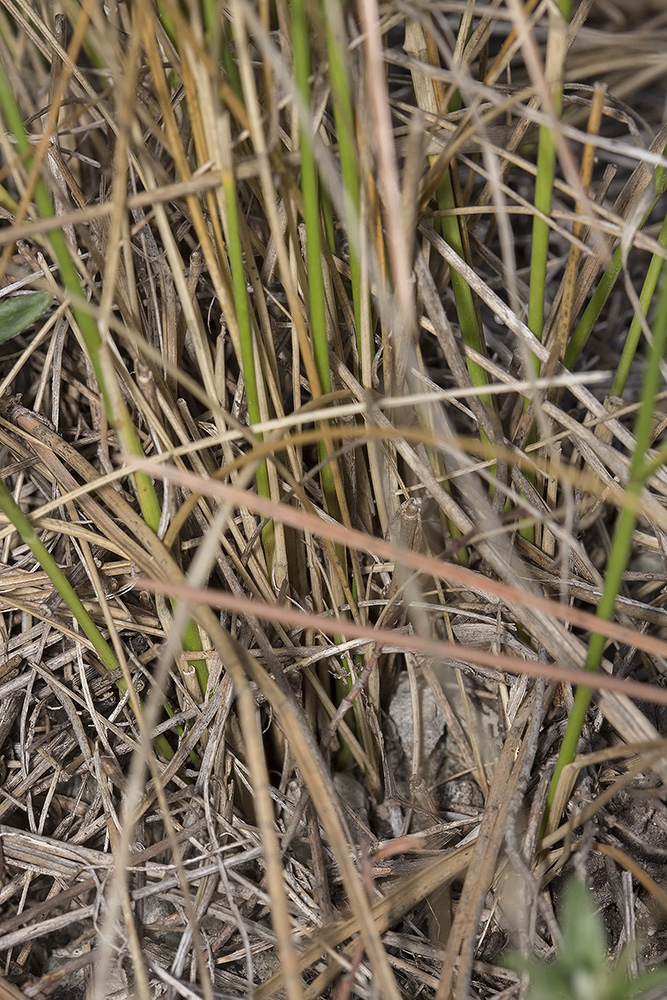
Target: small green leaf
581,970
20,312
584,941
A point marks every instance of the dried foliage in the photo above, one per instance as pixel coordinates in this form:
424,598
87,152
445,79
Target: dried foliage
316,513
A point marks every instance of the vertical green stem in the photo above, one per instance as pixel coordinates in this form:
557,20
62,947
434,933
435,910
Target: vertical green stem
623,535
634,333
236,261
463,295
605,286
344,116
311,210
546,165
544,182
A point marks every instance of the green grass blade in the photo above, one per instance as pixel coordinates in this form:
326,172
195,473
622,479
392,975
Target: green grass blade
59,580
544,183
311,203
466,312
606,284
311,210
546,165
115,408
634,333
344,117
623,536
237,266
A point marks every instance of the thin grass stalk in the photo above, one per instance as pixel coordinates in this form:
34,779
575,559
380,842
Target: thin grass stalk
311,212
622,541
568,285
316,291
242,15
345,133
167,23
546,165
228,61
59,580
607,281
466,312
432,101
634,333
544,183
572,268
211,11
328,223
236,260
7,202
312,205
